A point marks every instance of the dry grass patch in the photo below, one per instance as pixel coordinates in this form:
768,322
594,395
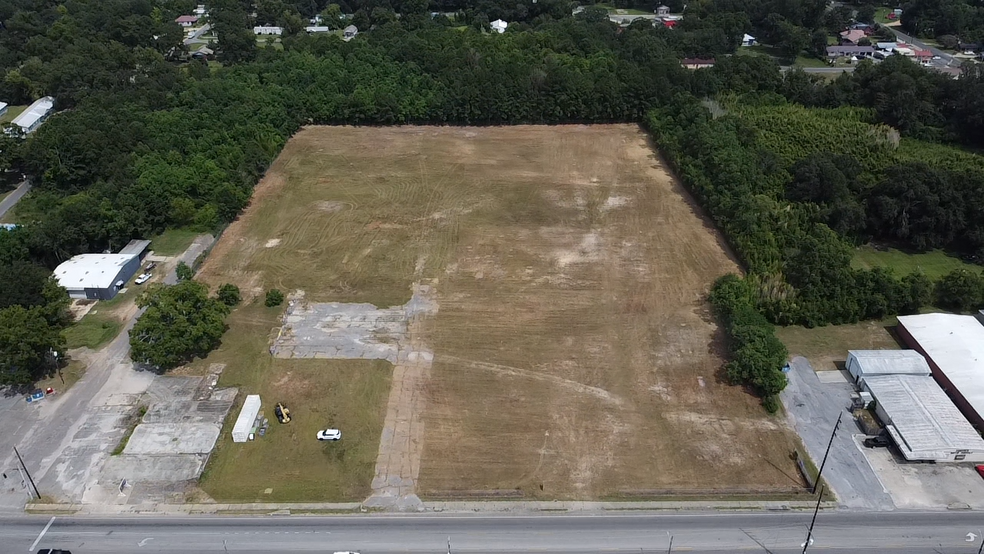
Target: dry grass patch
574,355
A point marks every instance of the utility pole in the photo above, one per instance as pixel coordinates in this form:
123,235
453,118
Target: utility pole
825,454
981,549
809,534
28,473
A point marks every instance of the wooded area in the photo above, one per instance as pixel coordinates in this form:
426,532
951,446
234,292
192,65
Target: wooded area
146,140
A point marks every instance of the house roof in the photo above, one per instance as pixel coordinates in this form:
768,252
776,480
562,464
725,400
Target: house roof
499,24
853,35
186,19
747,37
91,271
887,45
135,247
34,112
351,29
922,416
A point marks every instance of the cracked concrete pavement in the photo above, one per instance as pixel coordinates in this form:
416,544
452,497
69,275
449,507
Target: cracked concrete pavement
66,438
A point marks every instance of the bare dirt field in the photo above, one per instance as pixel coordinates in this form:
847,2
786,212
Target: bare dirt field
573,353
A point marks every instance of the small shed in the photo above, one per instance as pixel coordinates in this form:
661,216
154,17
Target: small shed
499,26
246,419
3,108
136,247
864,363
748,40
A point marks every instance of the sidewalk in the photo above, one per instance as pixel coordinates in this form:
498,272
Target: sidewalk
517,507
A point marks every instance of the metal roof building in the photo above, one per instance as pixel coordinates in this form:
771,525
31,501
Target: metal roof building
864,363
35,114
954,348
96,276
922,420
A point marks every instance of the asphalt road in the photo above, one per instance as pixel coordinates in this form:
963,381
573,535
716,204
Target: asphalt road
839,532
7,203
948,60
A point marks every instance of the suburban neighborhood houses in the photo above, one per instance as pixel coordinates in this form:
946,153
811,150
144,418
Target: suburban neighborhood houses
491,276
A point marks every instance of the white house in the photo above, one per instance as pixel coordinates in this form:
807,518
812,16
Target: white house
499,26
200,10
35,114
748,40
186,20
317,29
267,30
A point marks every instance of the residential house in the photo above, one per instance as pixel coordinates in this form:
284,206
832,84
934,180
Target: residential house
662,10
187,20
696,63
852,37
499,26
3,108
317,29
349,33
834,52
35,114
748,40
267,30
886,46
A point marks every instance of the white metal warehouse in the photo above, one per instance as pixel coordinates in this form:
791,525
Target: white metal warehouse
954,347
96,276
35,114
862,363
922,419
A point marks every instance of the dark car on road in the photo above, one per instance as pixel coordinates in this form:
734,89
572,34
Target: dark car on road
53,551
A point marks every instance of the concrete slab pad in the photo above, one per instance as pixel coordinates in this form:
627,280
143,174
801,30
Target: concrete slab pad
177,467
172,438
925,485
833,376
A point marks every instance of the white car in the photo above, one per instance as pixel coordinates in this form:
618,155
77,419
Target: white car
142,278
329,435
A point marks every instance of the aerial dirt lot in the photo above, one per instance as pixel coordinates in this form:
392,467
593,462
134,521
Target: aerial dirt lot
573,353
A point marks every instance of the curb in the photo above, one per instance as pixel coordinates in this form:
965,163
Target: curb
515,507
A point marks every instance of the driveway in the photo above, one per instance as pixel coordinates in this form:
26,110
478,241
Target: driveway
812,408
63,439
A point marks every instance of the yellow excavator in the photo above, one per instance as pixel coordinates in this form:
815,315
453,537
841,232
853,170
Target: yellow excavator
282,413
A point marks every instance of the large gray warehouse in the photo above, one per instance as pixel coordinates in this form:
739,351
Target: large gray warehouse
96,276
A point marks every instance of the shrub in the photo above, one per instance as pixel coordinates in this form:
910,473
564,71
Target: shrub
229,294
274,298
183,272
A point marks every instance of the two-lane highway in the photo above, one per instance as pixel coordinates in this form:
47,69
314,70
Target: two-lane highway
839,532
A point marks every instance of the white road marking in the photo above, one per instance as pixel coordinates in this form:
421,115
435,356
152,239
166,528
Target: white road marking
41,536
144,542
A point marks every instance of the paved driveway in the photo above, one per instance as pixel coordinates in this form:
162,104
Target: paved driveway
812,408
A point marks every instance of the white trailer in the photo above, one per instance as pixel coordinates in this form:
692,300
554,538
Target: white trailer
244,424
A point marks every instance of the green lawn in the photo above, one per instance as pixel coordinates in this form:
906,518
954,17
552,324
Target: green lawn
826,347
289,464
93,330
804,61
881,15
11,113
173,241
933,264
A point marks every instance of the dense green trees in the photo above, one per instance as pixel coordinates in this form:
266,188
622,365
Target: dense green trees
180,322
28,343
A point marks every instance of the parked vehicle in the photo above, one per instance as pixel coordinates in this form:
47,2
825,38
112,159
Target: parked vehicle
151,265
53,551
329,435
875,442
142,278
980,470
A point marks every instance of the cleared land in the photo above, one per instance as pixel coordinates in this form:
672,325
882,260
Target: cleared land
826,347
574,356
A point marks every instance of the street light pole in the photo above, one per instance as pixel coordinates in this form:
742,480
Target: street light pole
28,473
825,454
